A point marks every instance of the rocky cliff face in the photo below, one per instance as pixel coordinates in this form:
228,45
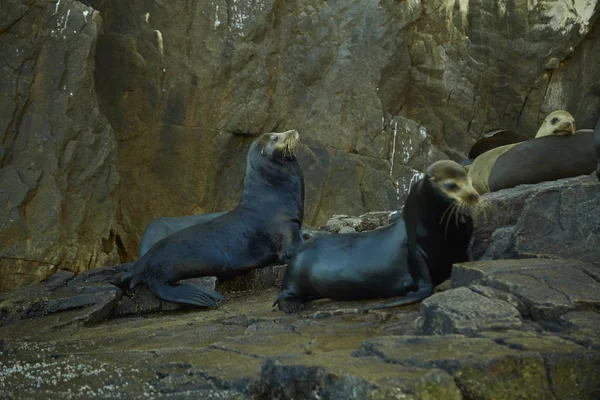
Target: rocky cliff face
58,161
166,98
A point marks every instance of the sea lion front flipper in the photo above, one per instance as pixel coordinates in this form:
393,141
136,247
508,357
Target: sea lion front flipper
188,293
122,279
288,303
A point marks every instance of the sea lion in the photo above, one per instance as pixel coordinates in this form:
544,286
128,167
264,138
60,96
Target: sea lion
407,258
161,227
263,228
495,138
557,123
543,159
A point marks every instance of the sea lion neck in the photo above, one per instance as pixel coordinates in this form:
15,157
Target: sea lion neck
271,186
426,202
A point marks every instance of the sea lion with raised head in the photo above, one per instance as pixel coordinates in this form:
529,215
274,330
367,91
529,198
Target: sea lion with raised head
161,227
262,229
407,258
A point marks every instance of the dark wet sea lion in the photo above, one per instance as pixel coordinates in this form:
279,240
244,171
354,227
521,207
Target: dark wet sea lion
406,258
161,227
262,229
544,159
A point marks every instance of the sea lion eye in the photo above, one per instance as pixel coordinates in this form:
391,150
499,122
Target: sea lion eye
274,138
451,186
554,120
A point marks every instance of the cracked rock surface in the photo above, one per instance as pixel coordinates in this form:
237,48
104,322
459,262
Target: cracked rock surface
500,328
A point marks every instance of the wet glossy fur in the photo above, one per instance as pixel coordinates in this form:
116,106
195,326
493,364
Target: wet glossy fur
406,258
262,229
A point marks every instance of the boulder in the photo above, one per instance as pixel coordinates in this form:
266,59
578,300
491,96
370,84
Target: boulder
551,219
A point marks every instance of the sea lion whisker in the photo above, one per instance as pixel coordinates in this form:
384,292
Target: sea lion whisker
449,210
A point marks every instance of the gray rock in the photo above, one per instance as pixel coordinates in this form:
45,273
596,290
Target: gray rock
492,293
59,279
465,312
559,219
347,229
301,382
548,287
80,304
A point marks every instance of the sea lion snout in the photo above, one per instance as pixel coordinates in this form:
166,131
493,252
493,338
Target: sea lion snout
473,197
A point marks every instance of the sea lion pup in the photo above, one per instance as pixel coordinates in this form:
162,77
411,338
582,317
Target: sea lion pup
406,258
263,228
557,123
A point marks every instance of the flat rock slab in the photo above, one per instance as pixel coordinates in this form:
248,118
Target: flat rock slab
245,349
548,287
465,311
495,368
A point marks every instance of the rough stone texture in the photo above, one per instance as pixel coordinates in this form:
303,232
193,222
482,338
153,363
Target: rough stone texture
547,287
377,90
495,369
559,218
467,312
365,222
245,349
58,160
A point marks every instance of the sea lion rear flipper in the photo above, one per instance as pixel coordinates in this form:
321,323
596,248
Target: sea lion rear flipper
122,279
288,303
410,298
188,293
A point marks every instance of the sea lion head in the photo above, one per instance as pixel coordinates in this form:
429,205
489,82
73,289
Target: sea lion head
452,179
278,146
559,123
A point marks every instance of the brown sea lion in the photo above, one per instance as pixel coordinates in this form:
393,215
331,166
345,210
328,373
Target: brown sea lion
557,123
